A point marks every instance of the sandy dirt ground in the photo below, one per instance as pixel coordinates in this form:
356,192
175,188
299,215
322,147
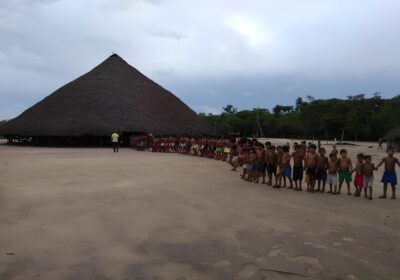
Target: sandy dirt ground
91,214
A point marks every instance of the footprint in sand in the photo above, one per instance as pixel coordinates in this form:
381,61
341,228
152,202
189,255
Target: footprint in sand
274,253
315,245
247,271
347,239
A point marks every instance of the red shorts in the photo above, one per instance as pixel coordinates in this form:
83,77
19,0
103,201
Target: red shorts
358,181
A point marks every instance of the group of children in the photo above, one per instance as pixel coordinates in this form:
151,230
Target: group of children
280,168
211,147
274,166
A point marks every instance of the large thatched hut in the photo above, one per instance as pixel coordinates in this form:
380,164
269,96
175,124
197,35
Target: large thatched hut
393,138
113,96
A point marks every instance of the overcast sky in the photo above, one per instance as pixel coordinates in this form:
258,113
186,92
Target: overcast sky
209,53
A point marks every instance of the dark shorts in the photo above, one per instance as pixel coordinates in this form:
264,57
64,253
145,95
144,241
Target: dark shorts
271,168
321,175
297,173
259,166
311,173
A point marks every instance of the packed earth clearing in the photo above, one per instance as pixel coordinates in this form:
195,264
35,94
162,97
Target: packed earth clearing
69,213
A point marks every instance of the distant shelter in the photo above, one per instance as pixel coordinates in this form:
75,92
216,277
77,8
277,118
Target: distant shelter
113,97
393,138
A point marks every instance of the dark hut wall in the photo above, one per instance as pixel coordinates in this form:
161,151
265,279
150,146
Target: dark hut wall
393,138
65,141
114,96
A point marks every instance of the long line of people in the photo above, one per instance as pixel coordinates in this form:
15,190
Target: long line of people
273,164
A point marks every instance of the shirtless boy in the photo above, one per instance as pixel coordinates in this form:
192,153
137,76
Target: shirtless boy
368,176
332,174
252,161
389,177
259,166
311,165
358,177
245,155
271,159
344,167
298,158
234,157
322,168
286,169
279,154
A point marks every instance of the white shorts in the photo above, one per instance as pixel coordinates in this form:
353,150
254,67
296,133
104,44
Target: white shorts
331,179
235,160
368,181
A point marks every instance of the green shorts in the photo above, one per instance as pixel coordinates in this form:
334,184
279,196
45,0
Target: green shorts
344,176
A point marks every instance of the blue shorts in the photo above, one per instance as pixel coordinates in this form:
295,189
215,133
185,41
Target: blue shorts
286,171
248,166
389,178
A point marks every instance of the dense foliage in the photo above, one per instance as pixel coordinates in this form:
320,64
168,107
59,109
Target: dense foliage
356,118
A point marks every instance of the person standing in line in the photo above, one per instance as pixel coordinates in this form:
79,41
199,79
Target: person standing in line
114,141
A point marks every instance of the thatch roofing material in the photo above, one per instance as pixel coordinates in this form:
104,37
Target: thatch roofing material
393,134
112,96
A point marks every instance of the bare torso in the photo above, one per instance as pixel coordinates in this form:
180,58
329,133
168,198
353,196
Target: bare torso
344,164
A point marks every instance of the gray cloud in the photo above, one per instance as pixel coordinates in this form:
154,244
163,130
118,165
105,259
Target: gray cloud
167,34
249,53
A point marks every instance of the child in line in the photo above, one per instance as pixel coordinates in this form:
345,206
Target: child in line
259,167
279,154
298,158
252,161
322,168
368,176
358,177
234,157
312,160
271,159
344,166
246,163
332,174
286,169
389,177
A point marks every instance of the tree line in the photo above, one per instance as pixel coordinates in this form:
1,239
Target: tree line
355,118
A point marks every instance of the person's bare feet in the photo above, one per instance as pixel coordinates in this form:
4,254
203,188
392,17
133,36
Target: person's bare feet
382,196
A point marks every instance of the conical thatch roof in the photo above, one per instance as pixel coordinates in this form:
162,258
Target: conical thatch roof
112,96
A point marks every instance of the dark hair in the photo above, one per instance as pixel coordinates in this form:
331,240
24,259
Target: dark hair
313,146
268,143
273,148
332,155
367,157
389,148
285,149
343,151
360,155
322,149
